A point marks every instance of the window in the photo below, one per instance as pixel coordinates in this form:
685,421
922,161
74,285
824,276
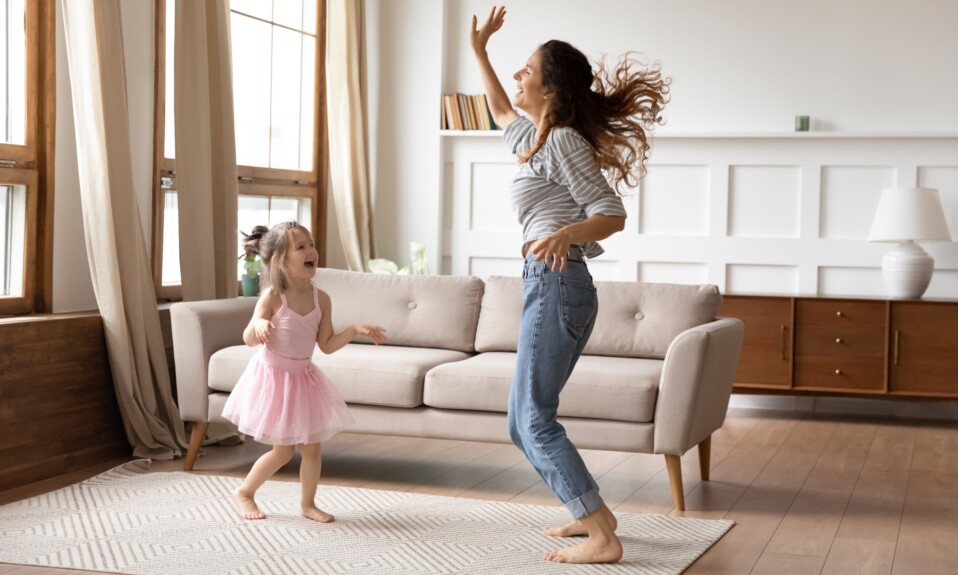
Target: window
25,155
277,94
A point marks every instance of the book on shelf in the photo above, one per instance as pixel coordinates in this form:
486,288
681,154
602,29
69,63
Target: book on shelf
466,112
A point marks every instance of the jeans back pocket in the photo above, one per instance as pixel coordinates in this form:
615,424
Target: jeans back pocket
578,304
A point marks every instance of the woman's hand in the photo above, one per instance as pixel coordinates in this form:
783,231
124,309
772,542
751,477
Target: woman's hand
261,329
479,38
373,332
554,249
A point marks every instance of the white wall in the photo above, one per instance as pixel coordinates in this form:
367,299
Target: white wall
737,66
404,51
72,287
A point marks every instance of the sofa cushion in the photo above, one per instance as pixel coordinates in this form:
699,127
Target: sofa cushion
373,375
615,388
418,311
642,319
635,319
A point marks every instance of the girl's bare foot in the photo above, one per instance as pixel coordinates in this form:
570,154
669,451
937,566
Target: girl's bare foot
317,514
602,545
246,505
574,529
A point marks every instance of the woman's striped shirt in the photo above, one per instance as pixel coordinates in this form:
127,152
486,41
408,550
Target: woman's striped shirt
561,185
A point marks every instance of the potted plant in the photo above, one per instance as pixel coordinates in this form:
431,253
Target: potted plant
251,262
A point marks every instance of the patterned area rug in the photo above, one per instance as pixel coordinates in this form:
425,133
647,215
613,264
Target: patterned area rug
129,520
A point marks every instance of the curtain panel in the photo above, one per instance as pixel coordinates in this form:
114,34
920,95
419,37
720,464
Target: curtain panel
115,243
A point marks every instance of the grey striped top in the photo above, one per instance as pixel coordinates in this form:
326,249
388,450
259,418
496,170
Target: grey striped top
561,185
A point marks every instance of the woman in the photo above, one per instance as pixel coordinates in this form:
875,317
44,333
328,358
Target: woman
579,124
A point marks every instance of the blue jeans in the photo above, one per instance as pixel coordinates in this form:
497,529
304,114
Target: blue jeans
558,313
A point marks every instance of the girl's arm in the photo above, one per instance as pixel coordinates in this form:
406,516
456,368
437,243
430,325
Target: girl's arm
260,326
499,103
330,341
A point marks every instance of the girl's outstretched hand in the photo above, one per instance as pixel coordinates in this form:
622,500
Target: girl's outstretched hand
479,38
261,329
373,332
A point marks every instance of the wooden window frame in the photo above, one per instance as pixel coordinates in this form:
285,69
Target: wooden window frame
252,181
32,164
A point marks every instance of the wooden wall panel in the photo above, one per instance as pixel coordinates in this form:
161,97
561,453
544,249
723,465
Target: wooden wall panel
58,410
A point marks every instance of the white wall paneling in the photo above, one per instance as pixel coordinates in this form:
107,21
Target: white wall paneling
761,278
778,213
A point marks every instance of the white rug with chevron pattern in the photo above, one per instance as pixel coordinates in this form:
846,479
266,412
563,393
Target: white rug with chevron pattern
131,520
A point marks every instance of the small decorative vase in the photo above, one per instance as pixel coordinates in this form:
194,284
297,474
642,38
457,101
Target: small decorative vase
250,286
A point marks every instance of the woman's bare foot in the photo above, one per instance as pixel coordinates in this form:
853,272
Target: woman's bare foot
568,530
317,514
574,528
246,505
602,546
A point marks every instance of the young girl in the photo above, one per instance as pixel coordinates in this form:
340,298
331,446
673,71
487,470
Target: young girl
578,123
283,399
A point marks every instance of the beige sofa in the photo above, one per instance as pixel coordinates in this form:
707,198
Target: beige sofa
655,377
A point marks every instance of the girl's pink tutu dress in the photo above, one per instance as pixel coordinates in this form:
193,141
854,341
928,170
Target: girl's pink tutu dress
283,398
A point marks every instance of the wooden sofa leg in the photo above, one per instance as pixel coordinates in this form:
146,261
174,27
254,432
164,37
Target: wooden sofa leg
674,465
196,439
705,455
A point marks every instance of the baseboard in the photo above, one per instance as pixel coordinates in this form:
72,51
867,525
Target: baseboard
937,409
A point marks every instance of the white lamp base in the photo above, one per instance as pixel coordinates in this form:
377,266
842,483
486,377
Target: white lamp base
907,270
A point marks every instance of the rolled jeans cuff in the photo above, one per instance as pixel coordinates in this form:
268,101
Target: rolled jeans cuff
587,504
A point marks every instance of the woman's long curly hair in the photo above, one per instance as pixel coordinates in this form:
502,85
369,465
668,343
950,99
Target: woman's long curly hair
614,110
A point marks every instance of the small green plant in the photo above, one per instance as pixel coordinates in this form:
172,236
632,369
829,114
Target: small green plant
251,262
250,257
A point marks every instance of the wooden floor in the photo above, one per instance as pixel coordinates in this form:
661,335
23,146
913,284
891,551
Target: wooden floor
809,493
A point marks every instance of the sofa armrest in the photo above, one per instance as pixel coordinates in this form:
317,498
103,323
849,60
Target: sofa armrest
200,329
696,384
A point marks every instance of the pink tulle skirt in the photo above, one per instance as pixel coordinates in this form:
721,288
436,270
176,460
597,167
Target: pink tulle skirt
284,401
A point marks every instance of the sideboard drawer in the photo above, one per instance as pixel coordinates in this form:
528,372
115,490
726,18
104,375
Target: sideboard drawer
838,312
847,373
840,341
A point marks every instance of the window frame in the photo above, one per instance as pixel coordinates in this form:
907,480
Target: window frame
32,163
252,180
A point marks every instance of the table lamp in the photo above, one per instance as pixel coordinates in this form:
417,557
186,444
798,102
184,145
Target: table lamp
906,216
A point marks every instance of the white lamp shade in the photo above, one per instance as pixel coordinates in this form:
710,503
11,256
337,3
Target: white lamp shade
909,214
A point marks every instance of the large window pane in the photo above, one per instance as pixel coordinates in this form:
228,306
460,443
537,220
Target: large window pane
169,139
307,104
251,90
309,17
257,8
289,13
13,64
289,82
13,218
171,239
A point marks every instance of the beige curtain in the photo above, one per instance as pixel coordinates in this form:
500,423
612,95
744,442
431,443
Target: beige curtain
115,244
348,170
205,150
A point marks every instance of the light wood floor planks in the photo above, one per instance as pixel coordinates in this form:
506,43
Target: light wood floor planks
810,493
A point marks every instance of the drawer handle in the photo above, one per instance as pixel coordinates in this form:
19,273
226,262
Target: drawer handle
838,372
839,313
895,348
784,340
838,340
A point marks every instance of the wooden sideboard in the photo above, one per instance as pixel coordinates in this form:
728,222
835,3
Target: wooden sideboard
858,346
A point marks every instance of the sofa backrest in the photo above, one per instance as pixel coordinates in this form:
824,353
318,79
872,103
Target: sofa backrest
418,311
635,319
